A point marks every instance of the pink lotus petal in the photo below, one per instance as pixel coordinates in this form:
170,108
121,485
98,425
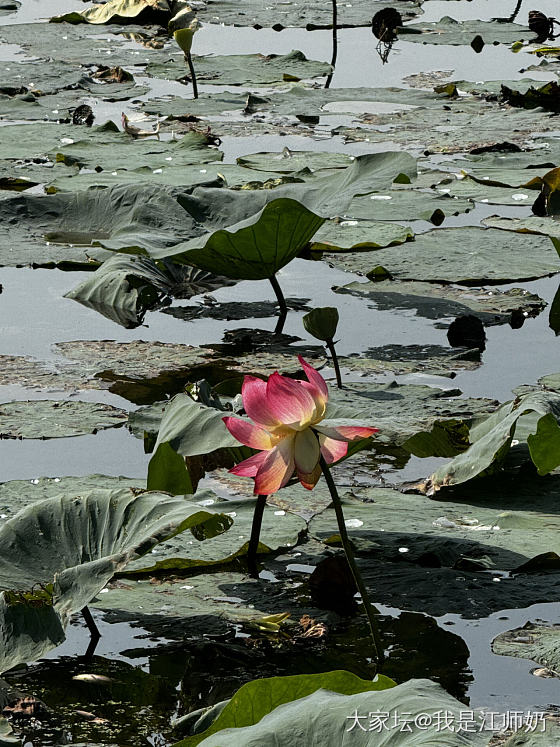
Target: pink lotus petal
319,389
249,467
249,434
310,480
253,393
306,451
353,432
288,401
276,469
332,449
345,432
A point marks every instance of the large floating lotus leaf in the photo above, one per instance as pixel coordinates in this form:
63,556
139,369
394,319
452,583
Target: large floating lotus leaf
432,555
121,11
259,698
514,524
96,535
143,372
19,77
290,161
446,126
107,362
29,141
18,494
435,301
492,438
242,69
403,410
482,192
257,248
112,150
213,173
239,211
66,229
515,169
534,641
532,225
449,31
44,418
125,287
319,717
345,235
405,359
85,45
298,100
279,530
406,204
308,15
468,256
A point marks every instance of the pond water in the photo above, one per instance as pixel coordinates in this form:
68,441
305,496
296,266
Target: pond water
160,675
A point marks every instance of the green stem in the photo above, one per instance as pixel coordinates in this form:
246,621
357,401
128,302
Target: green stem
332,351
255,536
188,58
377,647
281,302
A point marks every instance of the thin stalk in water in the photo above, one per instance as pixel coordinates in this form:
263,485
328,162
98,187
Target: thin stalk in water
375,639
90,622
334,43
332,351
189,62
281,302
255,536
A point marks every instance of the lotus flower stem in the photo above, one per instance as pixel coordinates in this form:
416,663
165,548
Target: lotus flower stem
90,622
188,60
377,646
252,550
513,16
332,351
334,43
281,302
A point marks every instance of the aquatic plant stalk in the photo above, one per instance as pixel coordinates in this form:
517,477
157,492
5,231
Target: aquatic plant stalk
281,302
188,60
334,43
376,641
332,351
90,622
255,536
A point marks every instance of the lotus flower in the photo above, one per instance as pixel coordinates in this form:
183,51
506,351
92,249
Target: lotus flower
287,430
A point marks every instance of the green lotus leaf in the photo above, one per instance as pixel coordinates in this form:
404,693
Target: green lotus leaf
491,440
538,642
467,255
256,699
96,534
326,717
125,287
257,249
433,301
